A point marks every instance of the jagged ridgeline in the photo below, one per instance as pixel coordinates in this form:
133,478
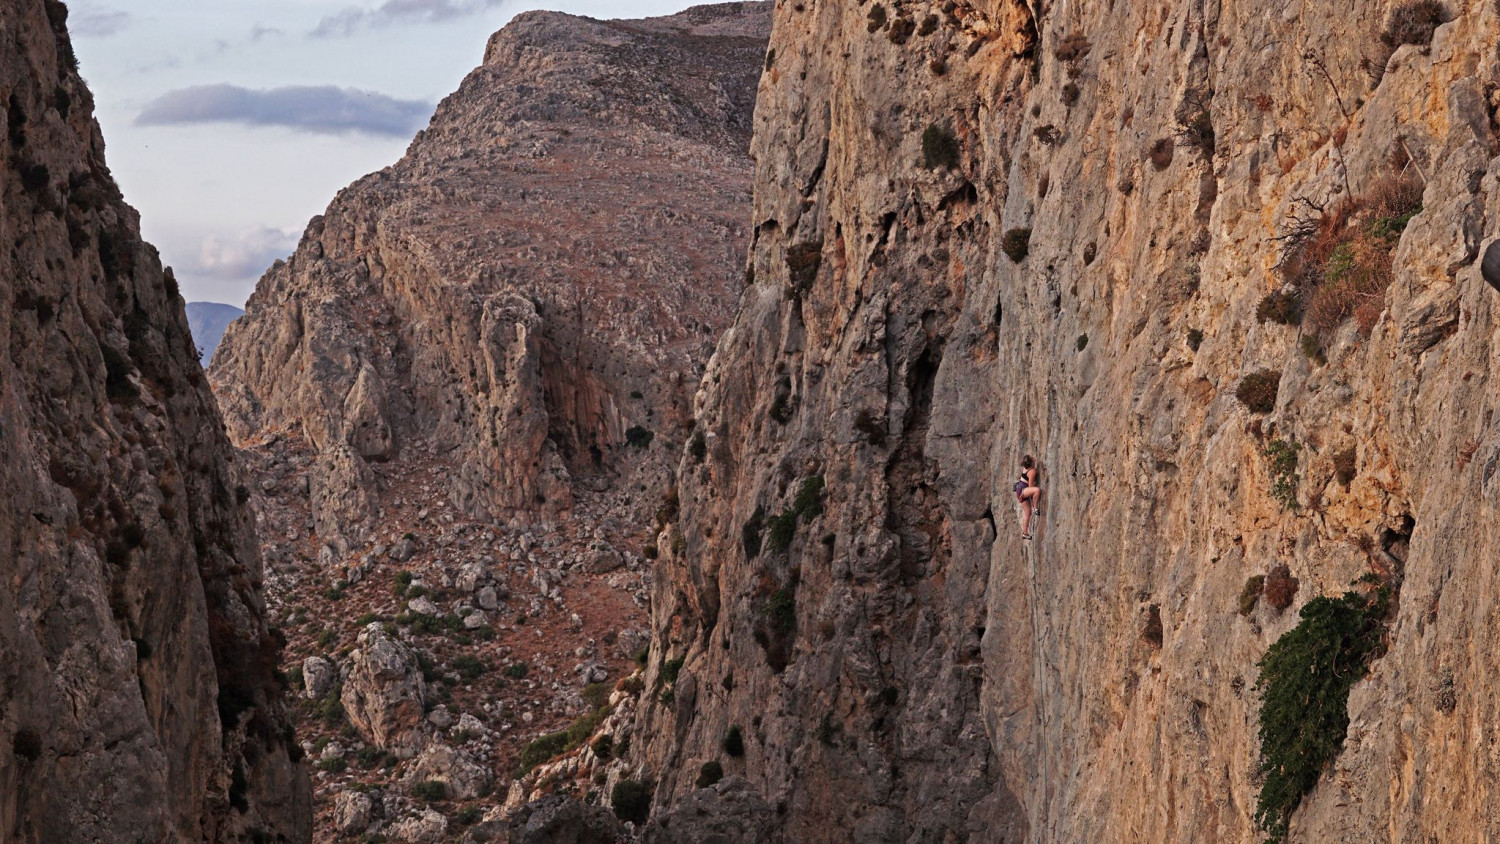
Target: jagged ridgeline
139,698
532,291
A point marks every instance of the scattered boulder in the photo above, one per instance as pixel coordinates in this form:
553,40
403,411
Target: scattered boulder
488,598
383,691
440,717
423,605
470,577
353,812
318,677
604,561
403,550
465,779
429,827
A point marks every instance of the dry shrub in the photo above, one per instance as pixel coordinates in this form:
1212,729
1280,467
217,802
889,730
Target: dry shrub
1395,196
1413,23
1016,243
1281,587
1151,631
1072,48
1161,153
1281,307
1257,391
1345,465
901,30
1354,280
1341,264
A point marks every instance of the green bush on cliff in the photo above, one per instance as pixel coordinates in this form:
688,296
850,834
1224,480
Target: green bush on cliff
631,801
780,530
711,772
1305,678
1281,460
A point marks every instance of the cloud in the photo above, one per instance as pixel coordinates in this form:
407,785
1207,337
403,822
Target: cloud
322,110
246,255
261,31
393,12
97,23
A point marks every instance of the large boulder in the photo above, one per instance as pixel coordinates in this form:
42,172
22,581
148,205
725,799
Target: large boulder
464,778
354,811
428,827
318,677
383,690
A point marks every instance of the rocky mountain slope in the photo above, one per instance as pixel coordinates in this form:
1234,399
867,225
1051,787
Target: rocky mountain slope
138,697
208,321
461,400
1217,267
532,290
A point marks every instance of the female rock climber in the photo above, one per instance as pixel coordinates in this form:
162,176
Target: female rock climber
1028,493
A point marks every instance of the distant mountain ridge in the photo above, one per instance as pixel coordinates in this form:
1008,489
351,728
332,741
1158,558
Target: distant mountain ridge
207,320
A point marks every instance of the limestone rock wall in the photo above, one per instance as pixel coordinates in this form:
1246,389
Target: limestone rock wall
138,699
544,271
901,665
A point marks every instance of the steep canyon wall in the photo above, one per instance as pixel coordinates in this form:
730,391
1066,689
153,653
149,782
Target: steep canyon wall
989,229
138,694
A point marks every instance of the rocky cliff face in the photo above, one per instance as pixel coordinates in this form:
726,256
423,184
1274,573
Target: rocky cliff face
138,699
533,289
996,228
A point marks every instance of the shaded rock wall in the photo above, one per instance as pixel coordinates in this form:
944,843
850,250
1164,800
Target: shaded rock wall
902,665
138,699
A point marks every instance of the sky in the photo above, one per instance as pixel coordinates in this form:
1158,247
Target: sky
230,124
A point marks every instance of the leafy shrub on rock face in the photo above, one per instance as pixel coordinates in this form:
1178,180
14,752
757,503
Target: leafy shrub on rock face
1281,458
1304,681
1257,391
734,742
1250,595
1016,244
780,530
711,772
939,148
